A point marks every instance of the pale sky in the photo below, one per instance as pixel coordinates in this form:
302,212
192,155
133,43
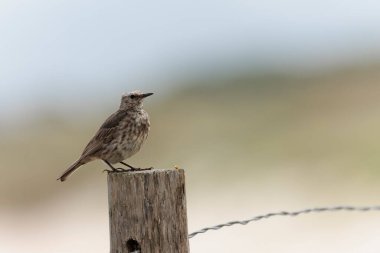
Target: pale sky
76,48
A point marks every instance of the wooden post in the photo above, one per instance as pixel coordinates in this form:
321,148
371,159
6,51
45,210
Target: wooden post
147,211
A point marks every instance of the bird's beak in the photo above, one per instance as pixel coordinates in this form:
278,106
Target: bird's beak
146,95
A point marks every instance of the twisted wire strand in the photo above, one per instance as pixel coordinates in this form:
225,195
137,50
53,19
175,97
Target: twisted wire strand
292,214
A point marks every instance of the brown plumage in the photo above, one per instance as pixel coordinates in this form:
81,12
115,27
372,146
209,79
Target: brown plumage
119,137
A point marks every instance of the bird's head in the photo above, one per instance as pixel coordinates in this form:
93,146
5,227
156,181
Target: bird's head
133,99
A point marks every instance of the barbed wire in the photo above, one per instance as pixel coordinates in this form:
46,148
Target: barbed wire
285,213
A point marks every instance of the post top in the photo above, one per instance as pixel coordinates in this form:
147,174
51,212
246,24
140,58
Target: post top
147,172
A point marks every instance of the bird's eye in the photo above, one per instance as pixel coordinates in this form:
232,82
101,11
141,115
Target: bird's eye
133,96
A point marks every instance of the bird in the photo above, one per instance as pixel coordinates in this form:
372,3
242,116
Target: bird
121,136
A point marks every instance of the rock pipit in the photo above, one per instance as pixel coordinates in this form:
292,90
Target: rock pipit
119,137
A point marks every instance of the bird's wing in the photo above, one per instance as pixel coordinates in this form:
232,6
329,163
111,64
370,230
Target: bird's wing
105,134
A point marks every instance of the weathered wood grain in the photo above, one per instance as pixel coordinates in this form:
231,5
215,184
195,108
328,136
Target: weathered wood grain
148,212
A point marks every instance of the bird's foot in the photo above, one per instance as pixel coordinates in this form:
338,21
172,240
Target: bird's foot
113,170
131,168
140,169
121,170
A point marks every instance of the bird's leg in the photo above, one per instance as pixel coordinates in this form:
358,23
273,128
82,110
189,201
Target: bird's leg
113,169
131,168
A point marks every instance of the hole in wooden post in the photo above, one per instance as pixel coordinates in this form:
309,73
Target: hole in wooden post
133,246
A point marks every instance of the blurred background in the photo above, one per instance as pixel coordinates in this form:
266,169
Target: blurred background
267,105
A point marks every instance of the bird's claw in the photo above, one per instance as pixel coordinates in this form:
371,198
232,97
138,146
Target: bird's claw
115,170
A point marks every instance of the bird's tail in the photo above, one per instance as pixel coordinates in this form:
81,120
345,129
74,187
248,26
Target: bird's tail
70,170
